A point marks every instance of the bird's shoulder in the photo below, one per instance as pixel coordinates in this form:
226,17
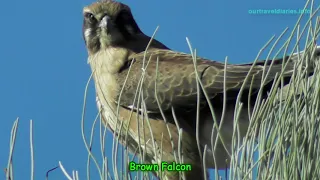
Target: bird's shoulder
172,58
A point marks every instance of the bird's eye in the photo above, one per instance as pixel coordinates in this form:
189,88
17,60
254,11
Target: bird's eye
90,17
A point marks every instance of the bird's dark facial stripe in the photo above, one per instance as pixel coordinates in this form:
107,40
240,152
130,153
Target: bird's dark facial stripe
90,24
126,23
90,34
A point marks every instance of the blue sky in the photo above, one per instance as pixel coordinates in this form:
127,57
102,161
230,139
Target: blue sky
44,68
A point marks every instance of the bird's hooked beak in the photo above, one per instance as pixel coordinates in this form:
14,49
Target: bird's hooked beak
104,22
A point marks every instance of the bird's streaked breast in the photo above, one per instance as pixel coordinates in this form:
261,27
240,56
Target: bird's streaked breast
105,64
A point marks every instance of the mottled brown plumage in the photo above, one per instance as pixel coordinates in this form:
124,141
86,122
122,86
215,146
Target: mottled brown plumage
177,82
116,48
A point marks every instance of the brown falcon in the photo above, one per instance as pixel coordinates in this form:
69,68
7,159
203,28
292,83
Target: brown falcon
165,80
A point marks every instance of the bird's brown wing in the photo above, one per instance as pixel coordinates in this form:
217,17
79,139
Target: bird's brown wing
175,82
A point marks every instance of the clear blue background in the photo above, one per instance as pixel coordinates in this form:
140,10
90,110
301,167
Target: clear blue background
44,70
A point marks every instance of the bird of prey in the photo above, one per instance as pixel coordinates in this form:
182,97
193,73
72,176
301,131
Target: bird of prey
126,64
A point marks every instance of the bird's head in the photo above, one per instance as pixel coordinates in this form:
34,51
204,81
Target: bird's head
108,24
